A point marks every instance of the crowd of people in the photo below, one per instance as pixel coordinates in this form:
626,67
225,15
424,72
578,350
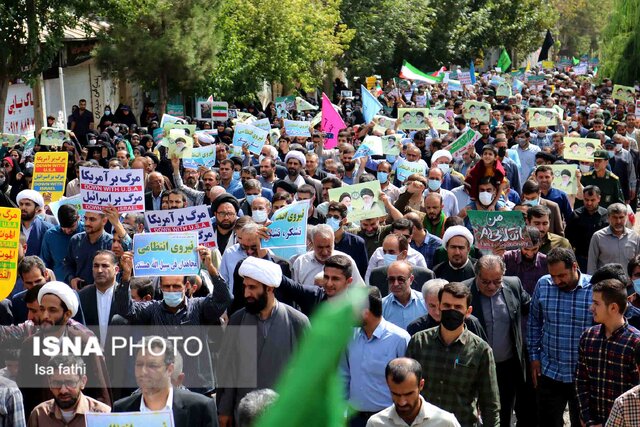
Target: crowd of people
452,335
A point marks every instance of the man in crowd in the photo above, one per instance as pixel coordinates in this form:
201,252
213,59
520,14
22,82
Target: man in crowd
457,240
32,227
616,243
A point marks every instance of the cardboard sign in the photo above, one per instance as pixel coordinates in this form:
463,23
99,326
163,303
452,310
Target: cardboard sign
166,254
361,200
9,243
564,178
194,218
53,136
288,230
477,110
539,117
123,189
623,93
50,173
580,148
499,229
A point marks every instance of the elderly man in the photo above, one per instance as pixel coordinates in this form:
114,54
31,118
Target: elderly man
442,160
154,366
69,404
153,197
306,266
432,319
500,303
457,241
395,247
403,305
32,227
280,327
449,200
616,243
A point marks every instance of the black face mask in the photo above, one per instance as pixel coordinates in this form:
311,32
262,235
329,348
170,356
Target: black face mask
451,319
502,151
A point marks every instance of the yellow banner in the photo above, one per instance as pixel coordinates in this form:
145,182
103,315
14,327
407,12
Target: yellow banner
371,82
50,174
9,243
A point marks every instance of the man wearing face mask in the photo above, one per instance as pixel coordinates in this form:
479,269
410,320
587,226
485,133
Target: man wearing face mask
176,309
531,197
449,200
526,153
460,365
260,208
344,241
584,222
607,182
559,313
383,174
451,179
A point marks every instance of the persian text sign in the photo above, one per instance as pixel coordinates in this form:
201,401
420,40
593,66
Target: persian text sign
123,189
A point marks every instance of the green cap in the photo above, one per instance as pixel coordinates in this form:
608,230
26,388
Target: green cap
601,154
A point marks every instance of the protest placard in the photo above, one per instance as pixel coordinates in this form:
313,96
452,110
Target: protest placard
75,201
189,130
477,110
130,419
254,138
391,145
438,118
458,147
263,124
421,101
413,118
9,243
219,111
53,136
361,200
346,94
289,101
638,108
371,146
405,168
539,117
194,218
288,230
580,148
11,139
50,173
623,93
203,110
385,122
464,77
166,254
297,128
564,178
179,143
201,156
496,229
168,118
123,189
504,89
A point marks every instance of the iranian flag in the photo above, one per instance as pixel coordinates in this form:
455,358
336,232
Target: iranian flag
219,111
410,72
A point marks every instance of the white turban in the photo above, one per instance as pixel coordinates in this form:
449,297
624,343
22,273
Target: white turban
294,154
266,272
441,153
32,195
457,230
62,291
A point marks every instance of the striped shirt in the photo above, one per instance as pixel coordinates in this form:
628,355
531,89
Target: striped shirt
556,322
606,369
11,407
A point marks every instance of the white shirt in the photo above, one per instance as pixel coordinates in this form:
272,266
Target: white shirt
104,308
429,416
414,258
27,231
298,182
306,266
168,406
449,201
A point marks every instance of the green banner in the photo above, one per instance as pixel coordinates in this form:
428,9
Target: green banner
499,229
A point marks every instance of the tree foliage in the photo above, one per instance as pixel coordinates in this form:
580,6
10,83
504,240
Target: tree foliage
579,25
289,42
621,43
166,44
429,34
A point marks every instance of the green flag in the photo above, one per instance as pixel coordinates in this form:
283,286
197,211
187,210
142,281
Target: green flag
504,62
311,389
576,61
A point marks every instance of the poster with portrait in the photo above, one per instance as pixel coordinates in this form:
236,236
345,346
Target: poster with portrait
580,148
539,117
413,118
203,110
623,93
362,200
53,136
477,110
564,178
439,119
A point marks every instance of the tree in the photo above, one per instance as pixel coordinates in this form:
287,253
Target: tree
31,34
292,42
621,43
430,34
170,45
579,25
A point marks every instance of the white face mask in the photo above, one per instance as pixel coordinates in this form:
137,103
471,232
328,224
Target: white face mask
259,216
585,168
485,198
444,167
618,147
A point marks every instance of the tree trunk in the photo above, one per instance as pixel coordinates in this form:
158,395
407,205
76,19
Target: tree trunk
163,89
4,89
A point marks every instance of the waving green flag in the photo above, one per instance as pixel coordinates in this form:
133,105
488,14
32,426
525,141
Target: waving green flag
504,62
311,389
575,60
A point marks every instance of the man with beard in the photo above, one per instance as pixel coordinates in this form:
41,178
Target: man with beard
405,382
58,304
225,209
351,175
69,405
56,240
195,196
278,329
32,227
267,172
457,241
295,162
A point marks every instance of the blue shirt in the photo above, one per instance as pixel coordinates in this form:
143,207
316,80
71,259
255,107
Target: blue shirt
556,322
54,248
560,197
364,363
79,259
234,188
233,254
400,315
428,248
